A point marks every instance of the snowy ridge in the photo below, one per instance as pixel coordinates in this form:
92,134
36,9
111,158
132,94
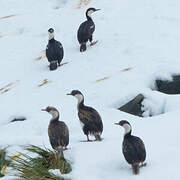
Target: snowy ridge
140,36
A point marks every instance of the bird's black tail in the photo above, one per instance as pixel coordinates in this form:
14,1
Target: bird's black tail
135,168
83,47
98,137
53,65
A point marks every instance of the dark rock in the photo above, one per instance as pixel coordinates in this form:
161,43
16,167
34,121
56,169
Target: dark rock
18,119
169,87
134,106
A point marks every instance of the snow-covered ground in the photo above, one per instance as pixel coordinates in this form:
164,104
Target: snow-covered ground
142,36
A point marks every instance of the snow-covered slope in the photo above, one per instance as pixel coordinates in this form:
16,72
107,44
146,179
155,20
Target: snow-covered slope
138,42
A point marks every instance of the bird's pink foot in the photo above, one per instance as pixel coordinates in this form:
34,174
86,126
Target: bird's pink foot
93,43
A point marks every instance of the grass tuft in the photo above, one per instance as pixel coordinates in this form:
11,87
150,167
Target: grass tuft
3,162
45,81
82,3
37,168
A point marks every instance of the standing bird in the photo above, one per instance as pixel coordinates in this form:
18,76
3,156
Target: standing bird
86,30
89,118
133,148
58,131
54,51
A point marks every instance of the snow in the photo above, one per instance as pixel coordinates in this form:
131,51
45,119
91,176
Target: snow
138,42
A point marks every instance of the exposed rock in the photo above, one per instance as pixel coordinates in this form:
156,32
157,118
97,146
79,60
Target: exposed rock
134,106
169,87
20,118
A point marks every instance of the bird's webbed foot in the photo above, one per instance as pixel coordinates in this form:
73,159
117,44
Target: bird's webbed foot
93,43
142,164
88,140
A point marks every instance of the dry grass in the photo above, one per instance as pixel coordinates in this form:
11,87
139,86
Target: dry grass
102,79
9,16
41,56
82,3
107,77
8,87
45,81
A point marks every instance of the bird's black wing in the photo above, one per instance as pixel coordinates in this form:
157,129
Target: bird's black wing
134,150
128,152
85,31
59,51
140,148
54,51
58,134
90,117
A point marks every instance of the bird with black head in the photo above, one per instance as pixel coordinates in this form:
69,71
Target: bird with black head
86,30
54,51
133,148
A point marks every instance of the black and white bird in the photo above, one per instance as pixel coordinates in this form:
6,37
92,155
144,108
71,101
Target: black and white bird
89,118
86,29
54,51
58,131
133,148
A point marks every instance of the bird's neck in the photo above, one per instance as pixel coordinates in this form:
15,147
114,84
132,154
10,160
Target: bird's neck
80,99
51,35
88,16
55,116
80,105
51,40
127,129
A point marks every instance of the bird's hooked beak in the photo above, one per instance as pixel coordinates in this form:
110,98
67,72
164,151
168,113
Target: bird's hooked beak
98,9
69,94
116,123
43,109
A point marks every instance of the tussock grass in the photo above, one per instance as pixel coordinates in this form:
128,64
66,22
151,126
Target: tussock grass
37,168
3,161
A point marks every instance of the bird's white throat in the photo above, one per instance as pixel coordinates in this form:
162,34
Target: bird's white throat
90,12
127,128
51,35
54,114
79,97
